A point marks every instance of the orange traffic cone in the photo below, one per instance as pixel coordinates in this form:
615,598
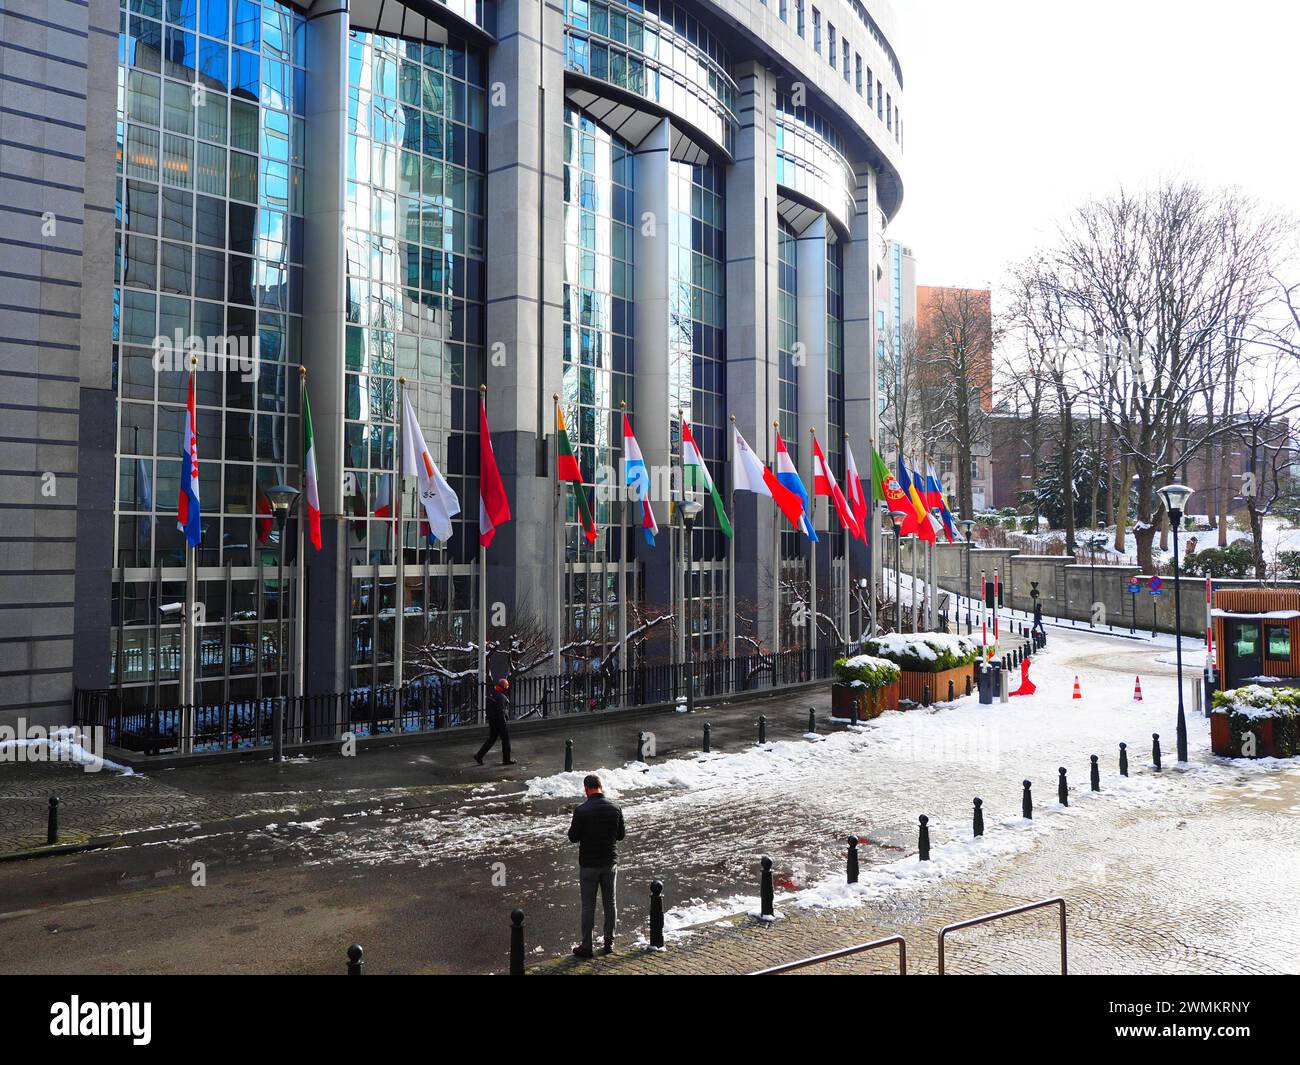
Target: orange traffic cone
1077,694
1137,689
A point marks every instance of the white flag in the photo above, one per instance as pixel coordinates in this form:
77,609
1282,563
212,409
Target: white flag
439,501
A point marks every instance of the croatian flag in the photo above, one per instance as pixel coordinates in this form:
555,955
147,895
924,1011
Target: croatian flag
187,506
789,476
637,477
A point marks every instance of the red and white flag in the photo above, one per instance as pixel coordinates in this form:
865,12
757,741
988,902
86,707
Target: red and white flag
493,506
824,484
437,497
750,474
857,498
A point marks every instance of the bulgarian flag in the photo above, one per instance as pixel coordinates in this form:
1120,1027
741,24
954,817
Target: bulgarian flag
695,474
493,506
824,484
310,485
568,470
884,485
857,499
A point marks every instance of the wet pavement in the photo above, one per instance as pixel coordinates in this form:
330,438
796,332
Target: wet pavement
420,856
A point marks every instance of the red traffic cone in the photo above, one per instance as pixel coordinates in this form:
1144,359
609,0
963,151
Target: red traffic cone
1137,689
1077,693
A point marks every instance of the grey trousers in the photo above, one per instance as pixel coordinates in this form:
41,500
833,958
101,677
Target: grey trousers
589,880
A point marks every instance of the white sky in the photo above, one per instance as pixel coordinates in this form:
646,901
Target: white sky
1016,110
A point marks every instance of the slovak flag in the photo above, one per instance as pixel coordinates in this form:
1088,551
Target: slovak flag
187,506
789,476
637,477
824,484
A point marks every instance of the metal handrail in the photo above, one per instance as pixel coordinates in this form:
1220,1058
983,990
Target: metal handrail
860,948
986,918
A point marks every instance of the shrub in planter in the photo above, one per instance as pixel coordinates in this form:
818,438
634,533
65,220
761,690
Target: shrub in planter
864,687
925,652
1270,715
865,671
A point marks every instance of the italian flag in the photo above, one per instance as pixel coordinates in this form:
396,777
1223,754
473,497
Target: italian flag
695,474
311,487
569,471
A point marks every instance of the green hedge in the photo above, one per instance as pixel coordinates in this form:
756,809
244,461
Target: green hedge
925,652
865,671
1246,707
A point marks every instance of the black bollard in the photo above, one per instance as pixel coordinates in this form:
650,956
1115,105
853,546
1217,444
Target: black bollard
812,719
1155,750
1027,803
853,860
707,747
967,683
1123,759
952,690
52,822
656,915
978,827
923,839
766,908
1094,775
1062,788
354,959
762,728
568,756
925,695
641,739
516,942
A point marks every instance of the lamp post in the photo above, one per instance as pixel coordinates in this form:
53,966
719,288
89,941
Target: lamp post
968,524
1174,497
863,585
690,511
898,517
282,499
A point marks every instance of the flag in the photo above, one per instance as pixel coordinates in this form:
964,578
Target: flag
936,495
857,499
384,497
885,486
824,484
920,525
310,484
637,477
568,470
789,476
264,524
751,475
695,474
188,518
493,506
439,501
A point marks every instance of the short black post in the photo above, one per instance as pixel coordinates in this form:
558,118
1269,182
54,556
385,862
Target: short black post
1123,759
812,719
1155,750
568,756
967,683
516,942
762,728
641,742
354,959
923,839
1062,788
707,747
925,695
52,822
656,915
978,827
766,907
1027,803
853,860
1094,775
952,689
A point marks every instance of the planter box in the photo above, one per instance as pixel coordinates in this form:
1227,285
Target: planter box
862,704
1226,745
912,685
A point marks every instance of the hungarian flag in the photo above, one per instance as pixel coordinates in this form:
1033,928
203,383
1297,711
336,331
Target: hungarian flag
493,506
857,499
824,484
188,518
439,501
310,485
789,477
695,475
884,485
569,470
935,498
751,475
637,477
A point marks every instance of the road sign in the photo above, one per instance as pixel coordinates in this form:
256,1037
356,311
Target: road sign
1156,584
1133,586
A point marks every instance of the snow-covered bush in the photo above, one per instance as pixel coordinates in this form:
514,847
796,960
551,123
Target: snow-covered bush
1249,706
864,671
925,652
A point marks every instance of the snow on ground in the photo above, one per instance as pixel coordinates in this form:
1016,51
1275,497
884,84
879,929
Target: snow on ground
60,745
1279,536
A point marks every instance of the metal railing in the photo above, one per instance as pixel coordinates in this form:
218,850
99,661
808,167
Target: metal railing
990,917
847,952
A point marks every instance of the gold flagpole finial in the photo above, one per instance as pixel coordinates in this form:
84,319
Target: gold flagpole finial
302,371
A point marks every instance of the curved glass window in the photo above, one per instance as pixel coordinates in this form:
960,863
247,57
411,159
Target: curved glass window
810,159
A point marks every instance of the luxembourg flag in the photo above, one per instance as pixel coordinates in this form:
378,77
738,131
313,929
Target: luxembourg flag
789,476
187,506
637,477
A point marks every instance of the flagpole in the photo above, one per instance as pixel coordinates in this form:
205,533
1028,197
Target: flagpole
731,553
847,608
557,537
623,540
482,582
187,627
300,597
679,577
812,547
399,619
776,566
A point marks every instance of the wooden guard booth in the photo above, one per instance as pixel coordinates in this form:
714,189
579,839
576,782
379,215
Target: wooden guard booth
1256,634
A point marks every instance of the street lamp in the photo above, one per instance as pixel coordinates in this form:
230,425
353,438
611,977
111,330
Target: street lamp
1174,497
968,524
898,517
863,585
282,499
690,511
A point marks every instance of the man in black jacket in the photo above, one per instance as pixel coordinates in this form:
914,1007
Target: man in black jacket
597,828
498,706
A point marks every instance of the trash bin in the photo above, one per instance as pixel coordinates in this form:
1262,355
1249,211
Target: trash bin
984,679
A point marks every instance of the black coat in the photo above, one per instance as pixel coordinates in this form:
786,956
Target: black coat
596,828
498,705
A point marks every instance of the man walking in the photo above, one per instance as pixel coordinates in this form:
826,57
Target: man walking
498,706
597,828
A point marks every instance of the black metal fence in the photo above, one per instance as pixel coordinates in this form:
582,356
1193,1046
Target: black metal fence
432,703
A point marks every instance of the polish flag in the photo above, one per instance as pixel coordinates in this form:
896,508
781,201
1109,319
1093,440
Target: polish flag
857,498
